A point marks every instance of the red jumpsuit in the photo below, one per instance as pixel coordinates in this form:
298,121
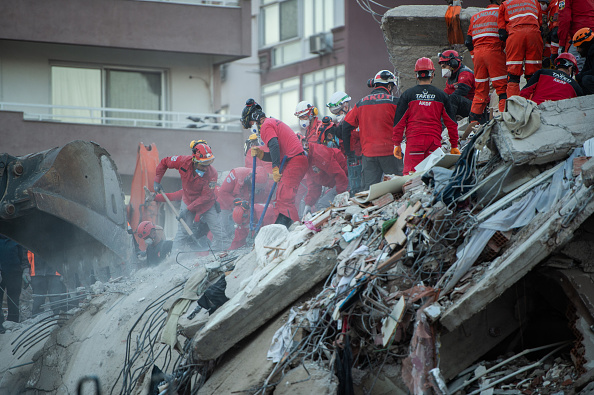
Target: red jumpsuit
489,58
243,229
327,167
374,115
551,85
295,166
235,186
551,19
420,111
312,132
521,19
198,192
574,15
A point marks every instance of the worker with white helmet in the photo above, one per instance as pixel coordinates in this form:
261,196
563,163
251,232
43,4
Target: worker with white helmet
340,105
309,123
375,116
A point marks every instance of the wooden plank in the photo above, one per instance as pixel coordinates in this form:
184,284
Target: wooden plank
395,235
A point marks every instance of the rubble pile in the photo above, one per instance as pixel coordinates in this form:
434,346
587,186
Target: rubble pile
473,275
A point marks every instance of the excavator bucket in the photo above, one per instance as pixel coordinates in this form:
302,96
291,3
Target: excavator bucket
66,204
141,207
452,17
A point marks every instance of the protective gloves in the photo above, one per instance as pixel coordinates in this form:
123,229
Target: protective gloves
276,175
157,187
455,151
183,213
258,152
502,34
397,152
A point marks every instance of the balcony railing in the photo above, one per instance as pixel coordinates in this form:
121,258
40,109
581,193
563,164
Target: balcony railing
124,117
219,3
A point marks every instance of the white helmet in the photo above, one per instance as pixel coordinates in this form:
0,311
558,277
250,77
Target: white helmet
305,108
384,77
337,99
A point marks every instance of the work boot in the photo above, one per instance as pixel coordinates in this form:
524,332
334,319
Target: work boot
480,118
283,220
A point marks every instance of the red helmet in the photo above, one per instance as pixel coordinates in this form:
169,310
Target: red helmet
451,58
566,60
202,154
424,64
241,212
144,229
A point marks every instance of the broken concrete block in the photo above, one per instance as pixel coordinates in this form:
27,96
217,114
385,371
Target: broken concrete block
565,124
278,288
429,38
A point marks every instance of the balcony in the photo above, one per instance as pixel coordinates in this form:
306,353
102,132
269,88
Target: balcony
184,26
28,128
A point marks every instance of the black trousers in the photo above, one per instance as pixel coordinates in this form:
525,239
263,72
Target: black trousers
11,283
460,105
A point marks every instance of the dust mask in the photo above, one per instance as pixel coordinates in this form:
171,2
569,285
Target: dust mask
200,173
446,73
148,241
304,123
339,118
255,129
544,6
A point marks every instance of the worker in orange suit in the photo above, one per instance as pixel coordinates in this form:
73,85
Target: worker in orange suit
550,27
519,26
489,59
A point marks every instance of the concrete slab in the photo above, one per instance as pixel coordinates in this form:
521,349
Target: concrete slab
415,31
252,307
566,124
314,380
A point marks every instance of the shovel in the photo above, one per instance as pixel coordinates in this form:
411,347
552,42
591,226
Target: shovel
269,197
184,224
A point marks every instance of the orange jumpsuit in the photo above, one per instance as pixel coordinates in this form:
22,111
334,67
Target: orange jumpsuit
551,19
489,58
524,46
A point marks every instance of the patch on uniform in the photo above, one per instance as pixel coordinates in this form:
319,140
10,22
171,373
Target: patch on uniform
174,158
561,5
229,180
212,184
232,175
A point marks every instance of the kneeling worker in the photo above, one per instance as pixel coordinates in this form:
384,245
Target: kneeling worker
157,248
547,84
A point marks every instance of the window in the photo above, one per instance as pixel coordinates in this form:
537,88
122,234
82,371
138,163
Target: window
106,87
280,98
321,16
280,21
320,85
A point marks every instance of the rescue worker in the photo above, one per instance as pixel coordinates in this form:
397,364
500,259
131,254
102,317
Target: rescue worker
281,141
420,111
328,133
327,168
14,268
489,60
375,116
459,83
238,184
199,180
339,105
157,247
550,29
574,15
583,41
519,26
553,85
241,217
309,123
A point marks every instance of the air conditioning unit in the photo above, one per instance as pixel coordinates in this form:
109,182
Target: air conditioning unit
321,43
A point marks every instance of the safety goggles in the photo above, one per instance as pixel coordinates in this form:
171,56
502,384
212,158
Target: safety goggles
338,109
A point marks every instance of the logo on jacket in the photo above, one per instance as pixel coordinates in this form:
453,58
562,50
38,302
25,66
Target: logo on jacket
425,95
561,5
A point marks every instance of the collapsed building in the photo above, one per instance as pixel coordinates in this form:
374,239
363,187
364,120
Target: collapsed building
472,275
